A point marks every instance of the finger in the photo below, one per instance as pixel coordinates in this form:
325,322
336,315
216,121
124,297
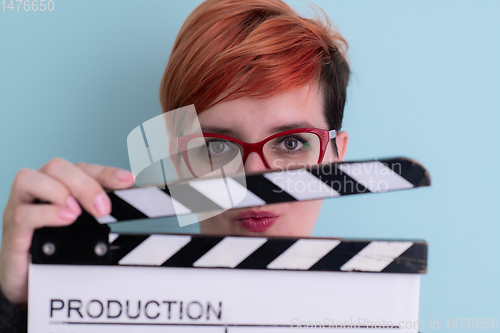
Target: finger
31,184
28,217
108,177
83,187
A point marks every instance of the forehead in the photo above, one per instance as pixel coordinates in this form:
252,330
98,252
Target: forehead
261,115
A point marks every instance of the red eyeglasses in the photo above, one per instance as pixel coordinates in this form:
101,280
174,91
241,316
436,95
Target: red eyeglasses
206,152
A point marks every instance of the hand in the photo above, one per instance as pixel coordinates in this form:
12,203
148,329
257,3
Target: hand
62,185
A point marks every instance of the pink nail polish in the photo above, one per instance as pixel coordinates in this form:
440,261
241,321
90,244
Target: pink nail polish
67,215
124,175
101,204
73,205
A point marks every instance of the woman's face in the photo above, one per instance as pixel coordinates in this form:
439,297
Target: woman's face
252,120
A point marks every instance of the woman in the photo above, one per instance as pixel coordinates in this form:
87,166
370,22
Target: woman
252,68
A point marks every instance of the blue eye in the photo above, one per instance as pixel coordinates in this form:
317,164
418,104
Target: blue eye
220,147
217,147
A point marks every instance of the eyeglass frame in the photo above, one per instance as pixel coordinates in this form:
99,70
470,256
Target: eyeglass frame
258,147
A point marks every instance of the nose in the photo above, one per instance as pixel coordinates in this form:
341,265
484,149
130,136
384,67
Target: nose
254,163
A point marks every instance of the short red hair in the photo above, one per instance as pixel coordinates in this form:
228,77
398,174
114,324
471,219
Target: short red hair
227,49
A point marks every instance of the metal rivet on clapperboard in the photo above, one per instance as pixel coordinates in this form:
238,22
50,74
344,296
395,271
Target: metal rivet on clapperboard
101,249
49,249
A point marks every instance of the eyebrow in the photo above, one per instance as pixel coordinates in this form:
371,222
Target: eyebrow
217,130
287,127
277,129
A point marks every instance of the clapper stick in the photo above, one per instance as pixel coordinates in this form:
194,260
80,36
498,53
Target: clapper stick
318,182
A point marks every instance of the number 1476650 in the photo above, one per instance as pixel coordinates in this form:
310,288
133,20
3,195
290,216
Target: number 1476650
27,5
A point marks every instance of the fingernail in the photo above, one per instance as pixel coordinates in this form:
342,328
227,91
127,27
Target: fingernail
73,205
67,215
124,175
101,204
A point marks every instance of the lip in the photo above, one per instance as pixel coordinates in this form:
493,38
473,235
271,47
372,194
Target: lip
256,221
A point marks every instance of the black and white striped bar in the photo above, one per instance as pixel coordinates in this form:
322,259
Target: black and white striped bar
237,252
219,194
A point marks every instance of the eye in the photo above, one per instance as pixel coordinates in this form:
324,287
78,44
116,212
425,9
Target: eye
292,144
219,147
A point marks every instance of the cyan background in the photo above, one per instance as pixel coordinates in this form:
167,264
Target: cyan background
426,77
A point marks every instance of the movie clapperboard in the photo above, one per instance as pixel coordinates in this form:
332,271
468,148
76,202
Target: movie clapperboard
85,279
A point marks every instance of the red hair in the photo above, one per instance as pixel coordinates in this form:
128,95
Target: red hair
227,49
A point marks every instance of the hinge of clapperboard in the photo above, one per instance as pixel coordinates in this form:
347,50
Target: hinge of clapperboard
87,241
